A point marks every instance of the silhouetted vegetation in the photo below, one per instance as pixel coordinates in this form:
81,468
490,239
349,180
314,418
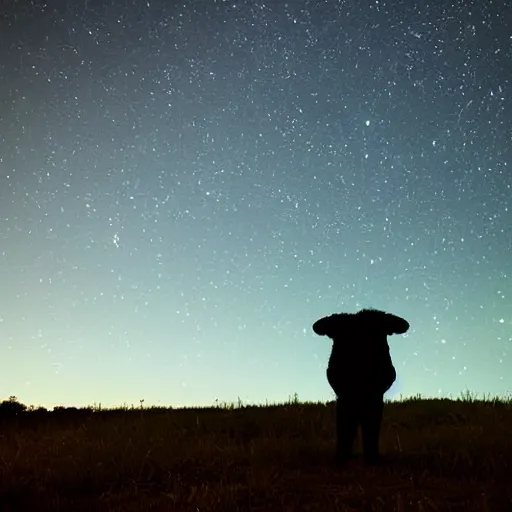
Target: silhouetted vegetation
441,455
11,408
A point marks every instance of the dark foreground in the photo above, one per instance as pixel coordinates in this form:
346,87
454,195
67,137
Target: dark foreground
440,456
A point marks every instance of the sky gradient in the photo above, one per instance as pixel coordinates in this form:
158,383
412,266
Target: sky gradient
185,189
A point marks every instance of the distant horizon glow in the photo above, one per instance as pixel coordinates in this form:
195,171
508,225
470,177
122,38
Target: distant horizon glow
465,395
185,189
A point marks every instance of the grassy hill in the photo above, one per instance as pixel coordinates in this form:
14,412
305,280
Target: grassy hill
441,455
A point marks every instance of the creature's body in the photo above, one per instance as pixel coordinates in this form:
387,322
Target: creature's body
360,371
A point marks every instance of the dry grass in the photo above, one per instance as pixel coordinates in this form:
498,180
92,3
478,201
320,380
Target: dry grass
442,455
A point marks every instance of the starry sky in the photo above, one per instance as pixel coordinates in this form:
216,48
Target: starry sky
186,187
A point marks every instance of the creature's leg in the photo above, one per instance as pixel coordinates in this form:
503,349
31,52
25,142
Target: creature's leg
346,427
371,419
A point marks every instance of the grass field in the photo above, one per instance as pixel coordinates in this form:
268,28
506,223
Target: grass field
441,455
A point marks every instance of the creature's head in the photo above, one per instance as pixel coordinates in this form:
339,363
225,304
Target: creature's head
366,321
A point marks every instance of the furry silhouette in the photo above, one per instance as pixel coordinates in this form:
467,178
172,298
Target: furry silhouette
360,371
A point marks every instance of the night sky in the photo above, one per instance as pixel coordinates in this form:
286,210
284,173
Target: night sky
185,189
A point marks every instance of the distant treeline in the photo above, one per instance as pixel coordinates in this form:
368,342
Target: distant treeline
12,408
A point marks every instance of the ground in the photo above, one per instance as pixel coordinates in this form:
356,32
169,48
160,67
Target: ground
441,455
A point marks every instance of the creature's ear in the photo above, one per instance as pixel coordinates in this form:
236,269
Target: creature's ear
396,325
330,325
321,326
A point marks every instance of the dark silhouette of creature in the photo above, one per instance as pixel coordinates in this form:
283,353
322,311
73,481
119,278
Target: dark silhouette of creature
360,371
